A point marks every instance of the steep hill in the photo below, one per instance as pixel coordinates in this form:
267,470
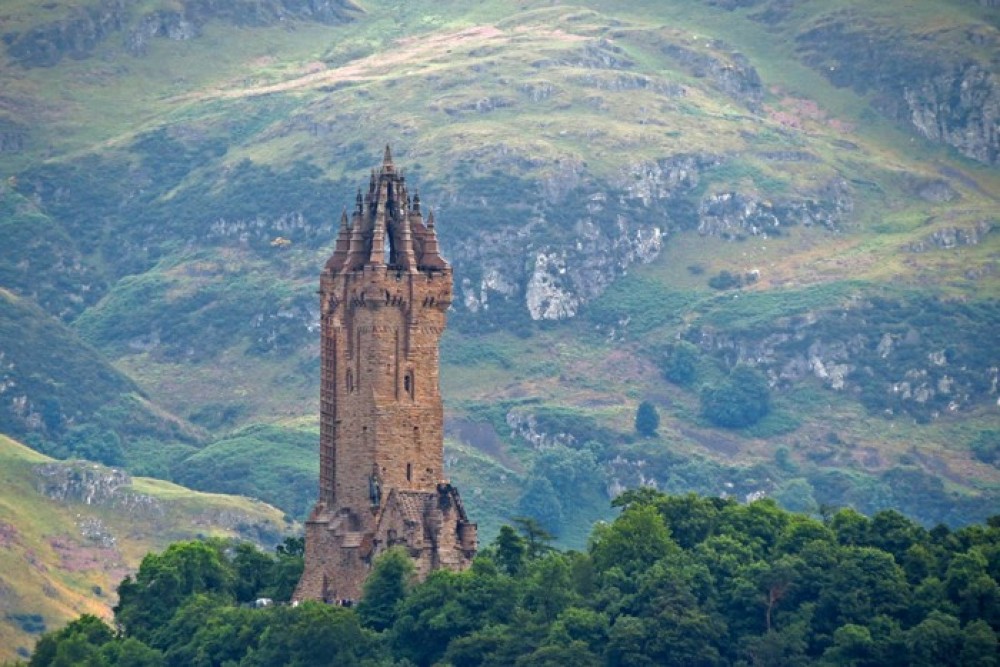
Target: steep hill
70,531
640,199
65,398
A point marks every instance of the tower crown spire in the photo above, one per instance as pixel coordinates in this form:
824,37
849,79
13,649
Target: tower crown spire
387,228
387,160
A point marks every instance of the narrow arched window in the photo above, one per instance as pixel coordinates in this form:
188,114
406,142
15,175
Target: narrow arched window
350,381
409,472
408,384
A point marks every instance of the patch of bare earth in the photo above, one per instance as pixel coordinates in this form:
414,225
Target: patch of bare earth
713,441
483,437
8,535
411,52
75,557
408,52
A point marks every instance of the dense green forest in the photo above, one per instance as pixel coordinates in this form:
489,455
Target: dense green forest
672,580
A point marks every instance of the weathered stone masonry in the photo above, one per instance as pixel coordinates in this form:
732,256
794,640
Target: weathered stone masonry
384,294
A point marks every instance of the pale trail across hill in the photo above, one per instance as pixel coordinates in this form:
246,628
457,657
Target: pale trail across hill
414,51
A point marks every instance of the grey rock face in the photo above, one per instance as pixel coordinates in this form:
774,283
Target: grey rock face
171,25
733,75
952,102
78,35
872,353
93,484
735,214
612,226
953,237
960,108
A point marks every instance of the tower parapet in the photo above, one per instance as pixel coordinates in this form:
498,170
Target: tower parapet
384,295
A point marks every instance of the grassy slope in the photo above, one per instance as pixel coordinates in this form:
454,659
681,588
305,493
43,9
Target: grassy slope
48,365
51,572
406,75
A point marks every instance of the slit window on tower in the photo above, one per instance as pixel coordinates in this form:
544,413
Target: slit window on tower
409,472
408,383
350,381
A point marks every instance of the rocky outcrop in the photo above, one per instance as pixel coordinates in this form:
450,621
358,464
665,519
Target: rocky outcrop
525,425
99,486
625,81
873,351
596,54
561,280
538,91
625,473
665,180
478,105
947,238
729,71
954,102
549,294
731,215
166,24
959,107
734,214
604,228
617,224
78,34
476,297
75,36
557,279
933,190
261,230
93,484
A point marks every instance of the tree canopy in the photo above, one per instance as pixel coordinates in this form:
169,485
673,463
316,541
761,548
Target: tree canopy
742,399
673,580
647,419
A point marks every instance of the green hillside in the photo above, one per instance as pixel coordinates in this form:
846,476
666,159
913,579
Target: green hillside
64,397
70,531
663,201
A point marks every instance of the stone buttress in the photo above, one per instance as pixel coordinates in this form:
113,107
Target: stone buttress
384,294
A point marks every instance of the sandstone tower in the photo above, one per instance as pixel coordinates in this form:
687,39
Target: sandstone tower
384,294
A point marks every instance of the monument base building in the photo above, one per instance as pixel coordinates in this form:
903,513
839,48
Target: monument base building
384,295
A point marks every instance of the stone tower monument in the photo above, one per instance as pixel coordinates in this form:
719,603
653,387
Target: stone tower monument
384,294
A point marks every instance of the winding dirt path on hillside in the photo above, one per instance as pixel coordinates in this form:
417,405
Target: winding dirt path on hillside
407,52
421,51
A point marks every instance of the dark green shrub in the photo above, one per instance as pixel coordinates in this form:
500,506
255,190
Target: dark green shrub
725,280
680,364
741,400
647,419
986,447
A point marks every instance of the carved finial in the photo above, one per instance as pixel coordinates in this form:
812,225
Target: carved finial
360,202
371,182
416,202
387,158
430,220
342,246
